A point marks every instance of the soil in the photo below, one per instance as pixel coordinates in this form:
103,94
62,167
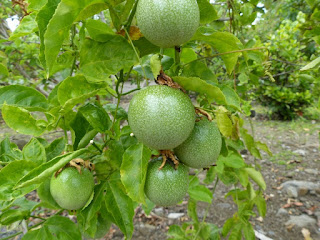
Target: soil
295,147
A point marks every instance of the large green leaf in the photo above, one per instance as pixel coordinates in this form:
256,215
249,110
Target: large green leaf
257,177
207,12
199,192
233,160
223,42
120,205
55,148
44,171
22,96
134,169
43,18
315,63
45,196
55,228
99,31
231,97
27,26
11,174
213,93
22,121
97,116
74,90
3,70
99,60
80,127
34,151
9,151
87,218
199,69
67,12
224,122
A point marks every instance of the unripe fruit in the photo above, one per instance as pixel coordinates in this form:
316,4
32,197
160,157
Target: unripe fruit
161,117
202,147
168,186
70,189
168,23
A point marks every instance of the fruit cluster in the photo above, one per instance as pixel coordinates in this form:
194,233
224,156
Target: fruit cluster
164,118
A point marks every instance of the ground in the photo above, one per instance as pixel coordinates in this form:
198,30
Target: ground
295,147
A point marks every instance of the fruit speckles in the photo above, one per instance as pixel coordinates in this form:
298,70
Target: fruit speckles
161,117
168,23
166,187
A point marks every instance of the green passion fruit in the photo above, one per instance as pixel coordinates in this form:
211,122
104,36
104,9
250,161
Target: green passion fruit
161,117
168,23
202,147
70,189
168,186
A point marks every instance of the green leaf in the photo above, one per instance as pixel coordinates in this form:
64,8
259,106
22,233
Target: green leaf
134,169
257,177
3,71
10,175
9,151
223,42
74,90
43,18
233,160
176,231
261,205
147,208
36,5
315,63
224,122
80,127
99,31
248,232
250,143
155,65
228,225
55,148
236,232
120,205
63,62
44,171
27,26
232,97
99,60
199,192
67,12
263,147
97,117
21,96
207,12
192,210
213,93
45,196
55,228
22,121
87,218
145,47
12,215
199,69
34,151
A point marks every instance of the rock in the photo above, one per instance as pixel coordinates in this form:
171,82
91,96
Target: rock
300,152
224,205
290,174
303,191
292,191
312,171
159,211
261,236
302,187
301,221
175,215
282,212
